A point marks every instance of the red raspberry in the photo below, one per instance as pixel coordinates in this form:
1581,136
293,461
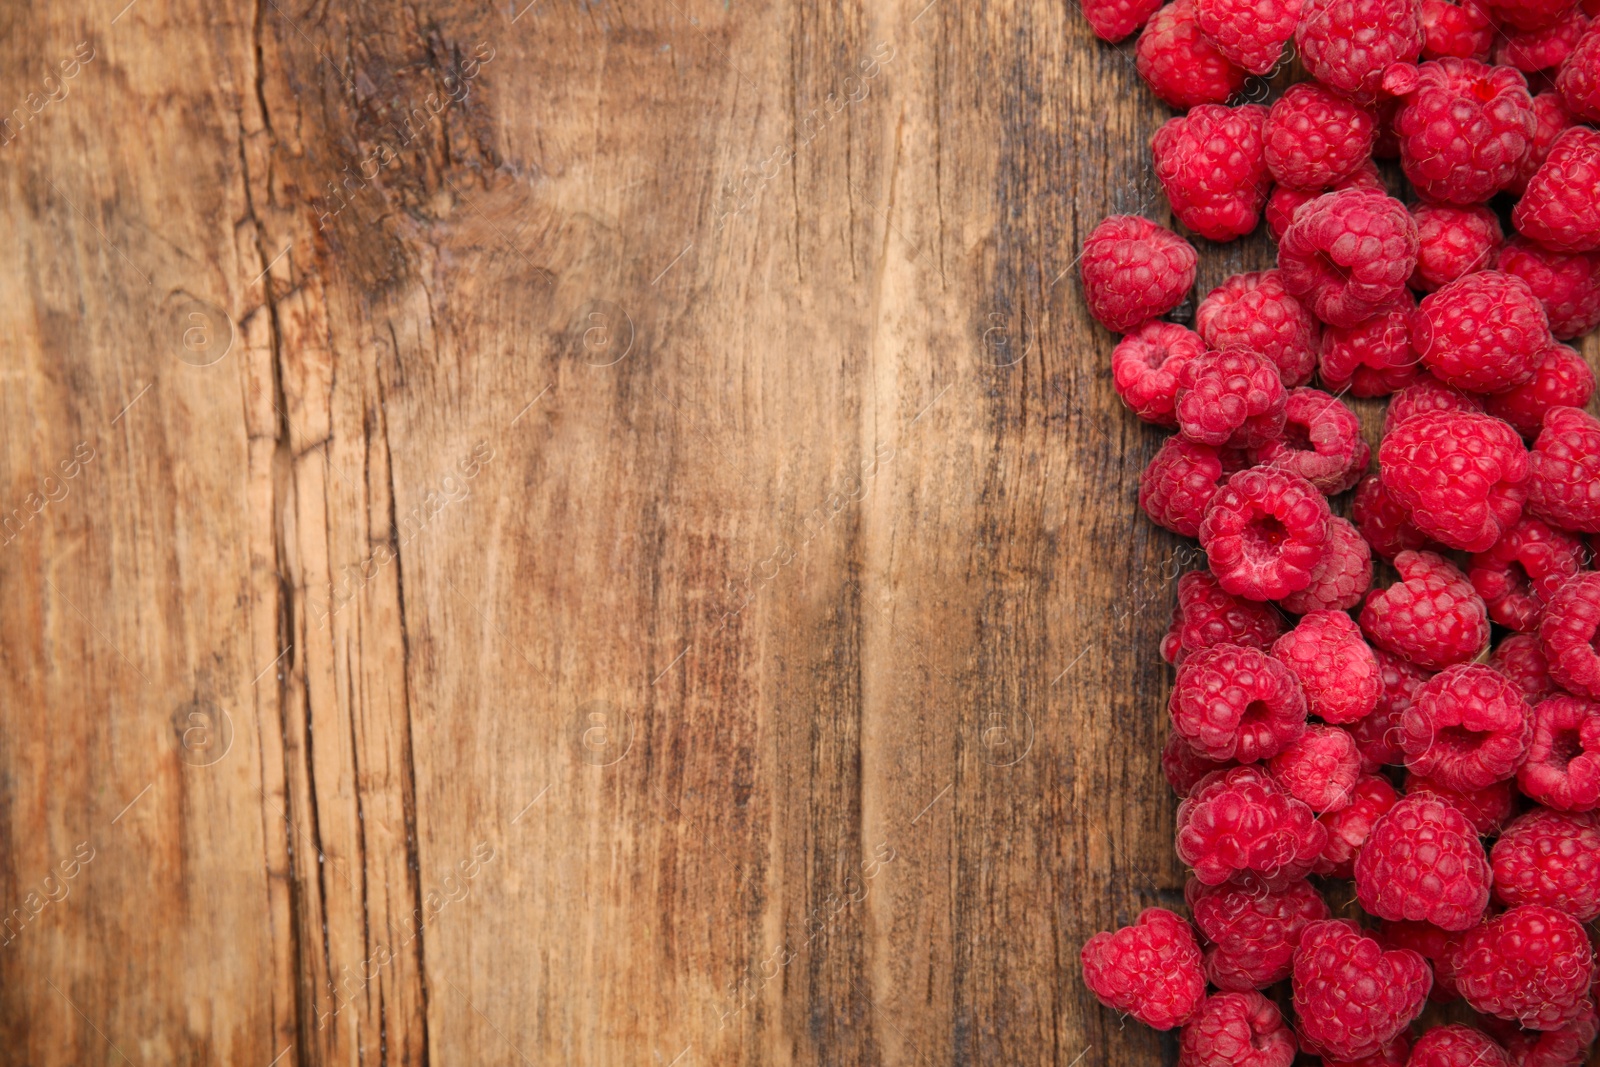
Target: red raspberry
1427,393
1237,1030
1563,766
1230,398
1263,533
1486,809
1536,50
1384,524
1256,311
1314,138
1481,333
1464,30
1550,120
1236,702
1432,616
1320,769
1183,767
1249,35
1394,1054
1464,130
1180,480
1562,379
1134,270
1378,735
1284,201
1463,477
1352,997
1521,660
1112,20
1213,166
1559,208
1144,368
1569,635
1564,478
1423,860
1340,578
1239,822
1452,242
1179,64
1567,285
1348,254
1467,729
1349,826
1522,570
1335,667
1550,858
1150,970
1206,615
1566,1047
1321,442
1531,963
1435,945
1456,1045
1252,930
1579,80
1347,44
1372,358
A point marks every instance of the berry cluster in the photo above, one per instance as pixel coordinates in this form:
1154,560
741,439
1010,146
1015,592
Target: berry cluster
1389,677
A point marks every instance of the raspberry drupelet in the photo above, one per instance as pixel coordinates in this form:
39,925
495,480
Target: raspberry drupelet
1256,311
1349,826
1522,661
1315,137
1182,478
1151,970
1487,809
1464,130
1336,668
1423,860
1569,635
1134,270
1452,242
1347,254
1384,523
1432,616
1562,770
1351,996
1264,532
1550,858
1372,358
1523,569
1559,208
1567,284
1467,729
1462,477
1235,397
1239,825
1207,615
1561,378
1179,64
1233,702
1340,578
1482,333
1241,1029
1251,931
1564,470
1212,164
1530,963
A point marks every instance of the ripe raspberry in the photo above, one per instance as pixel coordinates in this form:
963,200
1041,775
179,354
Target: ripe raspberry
1522,570
1464,30
1321,442
1464,130
1432,616
1284,201
1427,393
1467,729
1550,120
1372,358
1349,826
1559,208
1237,1030
1579,80
1256,311
1249,35
1237,823
1545,49
1320,769
1522,661
1550,858
1452,242
1213,166
1134,270
1385,525
1378,735
1394,1054
1206,615
1481,333
1236,702
1144,368
1179,64
1183,767
1263,533
1423,861
1567,285
1562,379
1456,1045
1340,57
1230,398
1348,254
1352,997
1150,970
1569,635
1564,478
1463,477
1112,20
1566,1047
1314,138
1531,963
1180,480
1252,930
1486,809
1340,578
1435,945
1335,667
1563,766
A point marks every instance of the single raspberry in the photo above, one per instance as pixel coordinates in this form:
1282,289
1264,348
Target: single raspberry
1179,64
1378,735
1314,138
1565,1047
1564,478
1134,270
1180,480
1563,766
1236,702
1569,635
1432,616
1423,860
1383,522
1452,242
1335,667
1239,822
1579,80
1530,963
1481,333
1566,284
1523,569
1237,1030
1256,311
1464,130
1394,1054
1522,661
1321,442
1550,858
1112,20
1263,532
1250,35
1468,728
1349,826
1347,44
1207,615
1348,254
1230,398
1351,996
1435,945
1487,809
1559,208
1320,769
1285,201
1183,767
1550,120
1463,477
1464,30
1340,578
1456,1045
1372,358
1252,930
1212,164
1150,970
1144,368
1545,49
1562,379
1427,393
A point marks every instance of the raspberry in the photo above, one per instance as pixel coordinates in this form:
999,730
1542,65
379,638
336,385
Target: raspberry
1320,769
1481,333
1236,702
1486,809
1150,970
1529,14
1566,284
1144,368
1263,533
1464,30
1521,660
1284,201
1321,442
1394,1054
1563,766
1579,80
1335,667
1435,945
1230,398
1564,478
1348,254
1467,729
1340,578
1536,50
1566,1047
1250,35
1462,476
1212,164
1134,270
1252,930
1550,120
1384,524
1175,487
1423,861
1256,311
1237,1030
1206,615
1559,208
1531,963
1432,616
1183,767
1349,826
1550,858
1522,570
1427,393
1237,823
1562,378
1179,64
1456,1045
1352,997
1314,138
1464,130
1378,735
1372,358
1347,44
1112,20
1569,635
1452,242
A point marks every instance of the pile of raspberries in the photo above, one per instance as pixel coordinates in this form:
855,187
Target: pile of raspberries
1388,677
